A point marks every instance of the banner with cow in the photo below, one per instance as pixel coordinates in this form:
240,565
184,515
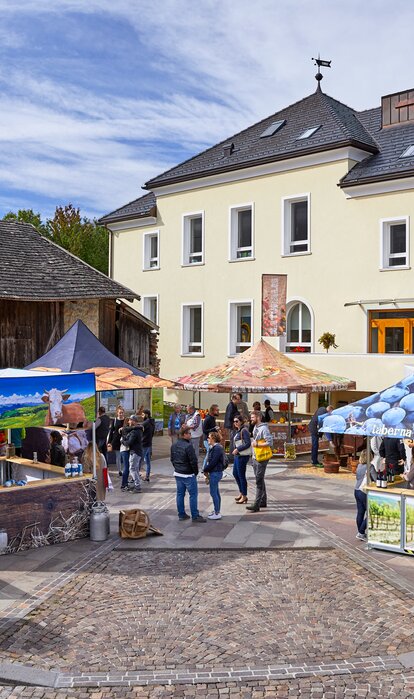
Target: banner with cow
44,401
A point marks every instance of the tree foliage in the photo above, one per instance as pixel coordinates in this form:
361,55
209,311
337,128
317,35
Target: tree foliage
77,234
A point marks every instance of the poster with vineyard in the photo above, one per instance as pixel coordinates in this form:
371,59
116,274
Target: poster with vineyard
409,523
384,519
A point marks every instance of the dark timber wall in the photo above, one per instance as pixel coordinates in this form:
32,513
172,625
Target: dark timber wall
28,330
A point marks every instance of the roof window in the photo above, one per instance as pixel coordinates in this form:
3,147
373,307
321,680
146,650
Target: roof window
309,132
408,153
274,126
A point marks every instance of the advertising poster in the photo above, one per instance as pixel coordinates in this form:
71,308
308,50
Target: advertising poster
384,519
157,407
274,288
409,524
44,401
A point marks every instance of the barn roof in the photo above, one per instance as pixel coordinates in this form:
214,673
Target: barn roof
36,269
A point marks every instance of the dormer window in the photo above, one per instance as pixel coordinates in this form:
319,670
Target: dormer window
309,132
408,153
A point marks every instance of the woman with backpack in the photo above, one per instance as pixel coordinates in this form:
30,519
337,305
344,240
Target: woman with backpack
241,452
213,469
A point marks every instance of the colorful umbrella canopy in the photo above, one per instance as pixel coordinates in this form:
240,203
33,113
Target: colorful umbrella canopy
389,413
261,369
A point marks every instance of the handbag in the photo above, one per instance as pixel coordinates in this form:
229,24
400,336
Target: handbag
246,452
262,452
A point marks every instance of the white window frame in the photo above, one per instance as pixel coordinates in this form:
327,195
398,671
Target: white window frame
385,228
146,260
145,300
232,319
186,229
287,224
289,306
185,329
234,231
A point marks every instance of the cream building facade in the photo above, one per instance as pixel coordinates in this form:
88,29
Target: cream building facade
327,198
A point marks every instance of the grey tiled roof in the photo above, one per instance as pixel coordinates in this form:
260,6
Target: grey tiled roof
35,269
387,163
339,126
144,206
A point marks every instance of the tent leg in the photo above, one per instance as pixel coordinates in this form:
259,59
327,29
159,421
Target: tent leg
94,449
289,419
368,461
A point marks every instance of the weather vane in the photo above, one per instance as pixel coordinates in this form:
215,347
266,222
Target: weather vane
320,63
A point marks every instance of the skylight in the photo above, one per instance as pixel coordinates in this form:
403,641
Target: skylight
309,132
275,126
408,152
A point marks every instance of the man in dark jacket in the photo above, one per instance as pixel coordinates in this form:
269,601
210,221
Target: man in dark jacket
313,428
184,460
393,450
133,440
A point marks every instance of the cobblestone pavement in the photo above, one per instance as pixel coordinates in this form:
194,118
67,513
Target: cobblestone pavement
395,685
249,622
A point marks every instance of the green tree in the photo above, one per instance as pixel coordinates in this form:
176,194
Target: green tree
27,216
80,236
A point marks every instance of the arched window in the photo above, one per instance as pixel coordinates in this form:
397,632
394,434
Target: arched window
299,328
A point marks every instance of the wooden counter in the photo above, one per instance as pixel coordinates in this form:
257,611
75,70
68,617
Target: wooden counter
41,471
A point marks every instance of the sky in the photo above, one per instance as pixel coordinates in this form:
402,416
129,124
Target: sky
99,96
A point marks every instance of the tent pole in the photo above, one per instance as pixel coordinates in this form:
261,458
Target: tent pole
368,460
94,448
289,419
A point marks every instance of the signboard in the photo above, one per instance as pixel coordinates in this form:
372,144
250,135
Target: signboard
274,287
388,413
44,401
384,519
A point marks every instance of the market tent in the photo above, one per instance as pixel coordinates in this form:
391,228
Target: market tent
80,350
388,413
261,369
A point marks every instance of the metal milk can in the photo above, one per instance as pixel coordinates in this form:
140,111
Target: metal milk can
99,526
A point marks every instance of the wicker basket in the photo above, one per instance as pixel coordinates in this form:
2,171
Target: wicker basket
133,524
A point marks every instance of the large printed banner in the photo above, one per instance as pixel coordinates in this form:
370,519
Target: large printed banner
274,287
42,401
389,413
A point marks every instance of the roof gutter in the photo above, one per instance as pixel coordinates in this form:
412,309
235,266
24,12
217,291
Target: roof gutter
231,167
374,179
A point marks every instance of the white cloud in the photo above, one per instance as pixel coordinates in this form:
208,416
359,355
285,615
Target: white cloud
17,399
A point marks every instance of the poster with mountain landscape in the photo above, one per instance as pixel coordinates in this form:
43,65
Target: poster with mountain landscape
42,401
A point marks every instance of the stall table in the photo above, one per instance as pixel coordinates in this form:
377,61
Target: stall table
55,496
391,517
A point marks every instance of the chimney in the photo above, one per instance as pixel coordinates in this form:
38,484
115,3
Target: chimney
397,108
228,149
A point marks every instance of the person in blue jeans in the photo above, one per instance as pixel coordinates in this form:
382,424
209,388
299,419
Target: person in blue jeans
185,462
148,427
214,470
241,452
361,496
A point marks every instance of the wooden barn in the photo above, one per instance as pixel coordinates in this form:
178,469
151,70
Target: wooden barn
44,289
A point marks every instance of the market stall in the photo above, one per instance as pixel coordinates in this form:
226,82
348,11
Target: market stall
39,503
388,413
79,350
262,369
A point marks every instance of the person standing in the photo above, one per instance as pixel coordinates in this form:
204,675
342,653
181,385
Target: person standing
394,452
133,440
313,428
193,421
175,422
269,414
242,452
231,411
214,468
57,454
114,437
102,425
261,433
185,462
148,427
209,425
242,407
361,496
